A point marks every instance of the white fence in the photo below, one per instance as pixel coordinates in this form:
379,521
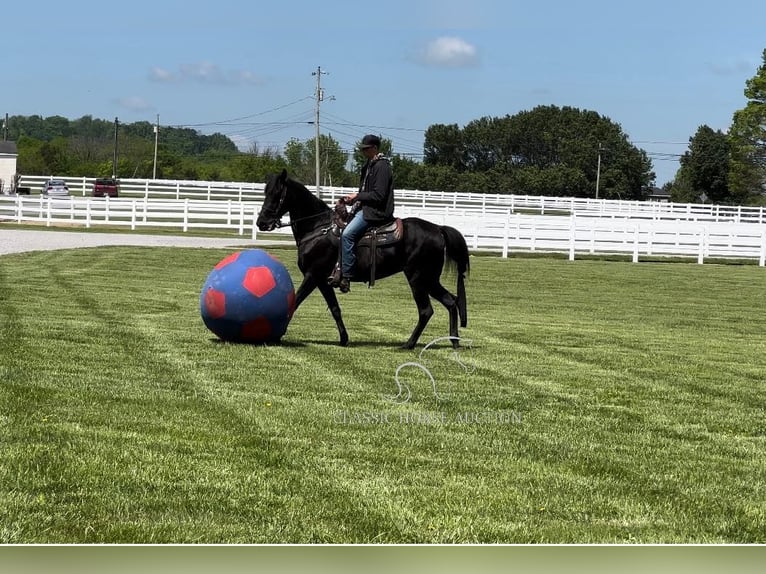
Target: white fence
490,231
469,202
184,215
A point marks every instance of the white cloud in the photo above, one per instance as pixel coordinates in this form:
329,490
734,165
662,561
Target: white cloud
449,52
134,103
158,74
206,73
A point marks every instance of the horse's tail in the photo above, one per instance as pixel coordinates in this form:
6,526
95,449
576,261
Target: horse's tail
457,256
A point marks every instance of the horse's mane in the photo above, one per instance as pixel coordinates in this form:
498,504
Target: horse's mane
308,199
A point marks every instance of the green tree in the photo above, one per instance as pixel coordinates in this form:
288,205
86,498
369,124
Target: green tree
706,164
565,140
681,189
301,160
747,173
255,166
444,146
55,157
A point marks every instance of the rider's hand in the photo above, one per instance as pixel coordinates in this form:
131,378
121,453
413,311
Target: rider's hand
350,198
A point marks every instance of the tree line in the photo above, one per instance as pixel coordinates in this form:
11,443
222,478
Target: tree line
549,150
545,151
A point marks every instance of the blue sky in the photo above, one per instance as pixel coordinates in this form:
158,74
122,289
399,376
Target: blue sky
659,68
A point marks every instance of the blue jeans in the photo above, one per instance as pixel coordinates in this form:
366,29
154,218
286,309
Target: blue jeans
351,234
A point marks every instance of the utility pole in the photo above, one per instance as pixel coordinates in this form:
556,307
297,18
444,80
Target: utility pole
598,169
319,98
156,140
114,162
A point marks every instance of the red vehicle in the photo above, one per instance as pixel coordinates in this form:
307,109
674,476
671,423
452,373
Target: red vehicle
105,186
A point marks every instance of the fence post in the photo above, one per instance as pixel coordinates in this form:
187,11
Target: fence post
572,235
146,189
133,215
506,237
701,255
178,191
762,259
255,218
636,234
87,214
19,209
241,218
186,215
106,208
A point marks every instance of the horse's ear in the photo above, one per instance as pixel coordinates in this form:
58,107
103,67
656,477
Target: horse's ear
283,175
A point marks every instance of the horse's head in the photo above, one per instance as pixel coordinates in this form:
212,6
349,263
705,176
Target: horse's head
274,204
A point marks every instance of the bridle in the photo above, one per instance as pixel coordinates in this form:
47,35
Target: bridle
277,217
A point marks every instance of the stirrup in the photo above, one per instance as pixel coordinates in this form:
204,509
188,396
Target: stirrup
335,277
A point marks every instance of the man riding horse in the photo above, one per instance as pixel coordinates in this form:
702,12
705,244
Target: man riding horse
373,205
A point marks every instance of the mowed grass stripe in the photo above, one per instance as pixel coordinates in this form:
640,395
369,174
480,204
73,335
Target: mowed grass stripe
638,390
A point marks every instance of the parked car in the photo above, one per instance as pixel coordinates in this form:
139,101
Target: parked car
55,188
106,186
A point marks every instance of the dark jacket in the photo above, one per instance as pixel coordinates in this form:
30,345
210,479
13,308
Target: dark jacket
376,191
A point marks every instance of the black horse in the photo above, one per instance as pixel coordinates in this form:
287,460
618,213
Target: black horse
421,253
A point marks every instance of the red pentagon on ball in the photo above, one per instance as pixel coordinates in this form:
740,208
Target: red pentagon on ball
215,303
257,330
259,281
226,260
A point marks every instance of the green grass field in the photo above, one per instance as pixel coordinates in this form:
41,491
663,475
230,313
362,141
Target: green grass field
597,402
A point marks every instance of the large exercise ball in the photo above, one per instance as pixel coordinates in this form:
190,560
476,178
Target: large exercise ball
248,298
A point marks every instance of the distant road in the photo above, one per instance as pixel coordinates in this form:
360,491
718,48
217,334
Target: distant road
22,240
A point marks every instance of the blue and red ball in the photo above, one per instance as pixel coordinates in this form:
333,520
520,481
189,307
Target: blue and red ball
248,298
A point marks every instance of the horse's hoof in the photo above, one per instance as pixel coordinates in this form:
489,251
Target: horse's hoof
408,346
344,340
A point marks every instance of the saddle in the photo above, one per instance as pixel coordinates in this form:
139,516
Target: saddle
378,236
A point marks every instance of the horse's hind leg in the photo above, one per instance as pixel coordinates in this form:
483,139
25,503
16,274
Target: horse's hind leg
449,301
425,311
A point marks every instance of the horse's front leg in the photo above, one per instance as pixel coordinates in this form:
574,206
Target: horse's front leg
307,287
332,303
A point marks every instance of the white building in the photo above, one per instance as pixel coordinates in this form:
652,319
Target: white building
8,156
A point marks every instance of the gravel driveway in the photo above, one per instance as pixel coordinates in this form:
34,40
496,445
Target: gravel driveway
21,240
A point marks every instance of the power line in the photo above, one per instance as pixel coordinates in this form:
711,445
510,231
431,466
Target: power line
223,122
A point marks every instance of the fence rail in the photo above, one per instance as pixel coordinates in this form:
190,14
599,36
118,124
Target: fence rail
477,202
497,231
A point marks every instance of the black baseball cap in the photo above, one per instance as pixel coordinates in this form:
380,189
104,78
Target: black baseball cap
369,141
